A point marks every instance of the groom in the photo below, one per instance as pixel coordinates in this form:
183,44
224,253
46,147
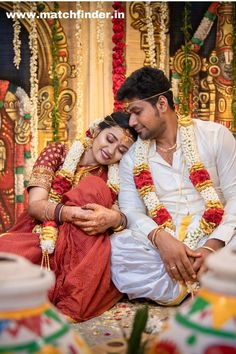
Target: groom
178,191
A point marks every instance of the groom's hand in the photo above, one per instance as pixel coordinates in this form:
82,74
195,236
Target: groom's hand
176,257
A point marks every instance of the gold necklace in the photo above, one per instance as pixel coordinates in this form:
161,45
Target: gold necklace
168,149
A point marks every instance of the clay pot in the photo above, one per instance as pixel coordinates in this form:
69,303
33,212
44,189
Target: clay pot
206,325
28,322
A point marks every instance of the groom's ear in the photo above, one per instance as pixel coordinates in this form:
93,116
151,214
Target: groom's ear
162,104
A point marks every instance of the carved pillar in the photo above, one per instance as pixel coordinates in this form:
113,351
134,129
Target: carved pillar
220,66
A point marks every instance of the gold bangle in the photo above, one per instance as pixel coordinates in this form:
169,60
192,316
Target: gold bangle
118,228
123,223
208,248
154,236
46,209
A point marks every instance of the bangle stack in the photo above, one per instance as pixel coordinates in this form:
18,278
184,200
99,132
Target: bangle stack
208,248
57,213
122,225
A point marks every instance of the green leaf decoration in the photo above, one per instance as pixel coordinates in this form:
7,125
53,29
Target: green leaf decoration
198,305
185,77
139,324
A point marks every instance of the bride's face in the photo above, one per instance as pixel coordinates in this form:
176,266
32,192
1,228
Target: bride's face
110,145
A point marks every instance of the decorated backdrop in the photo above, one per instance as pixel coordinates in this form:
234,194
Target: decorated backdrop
60,73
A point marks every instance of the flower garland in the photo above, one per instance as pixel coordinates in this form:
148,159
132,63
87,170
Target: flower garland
16,36
205,27
150,35
100,32
118,58
197,42
79,68
33,45
164,9
199,177
55,77
62,183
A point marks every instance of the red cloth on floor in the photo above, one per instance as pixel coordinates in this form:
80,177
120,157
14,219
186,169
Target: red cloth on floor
81,263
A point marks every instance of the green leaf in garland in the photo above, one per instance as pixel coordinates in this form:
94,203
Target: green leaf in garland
139,324
186,82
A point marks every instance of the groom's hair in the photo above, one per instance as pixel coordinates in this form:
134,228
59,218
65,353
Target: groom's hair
144,83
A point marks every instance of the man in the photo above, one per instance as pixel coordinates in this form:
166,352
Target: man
178,192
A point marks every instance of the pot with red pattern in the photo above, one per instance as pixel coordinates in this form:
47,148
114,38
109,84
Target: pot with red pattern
29,324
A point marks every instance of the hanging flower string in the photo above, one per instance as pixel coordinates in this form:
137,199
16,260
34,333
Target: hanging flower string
33,45
150,35
79,121
118,58
55,77
199,177
205,27
164,8
100,32
185,75
62,183
197,42
16,36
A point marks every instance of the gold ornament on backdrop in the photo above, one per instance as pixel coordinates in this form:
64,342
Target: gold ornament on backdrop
152,20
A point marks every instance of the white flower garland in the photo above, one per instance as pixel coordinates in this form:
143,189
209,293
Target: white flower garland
22,175
16,36
191,154
79,121
69,167
164,16
100,33
33,45
150,35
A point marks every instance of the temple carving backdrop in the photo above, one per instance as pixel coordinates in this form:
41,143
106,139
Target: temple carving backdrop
58,75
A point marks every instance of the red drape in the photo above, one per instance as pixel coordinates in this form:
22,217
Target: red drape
81,263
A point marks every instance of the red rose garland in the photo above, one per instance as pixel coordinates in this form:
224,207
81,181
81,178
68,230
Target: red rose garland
118,68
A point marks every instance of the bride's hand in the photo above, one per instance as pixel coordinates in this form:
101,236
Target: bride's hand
95,219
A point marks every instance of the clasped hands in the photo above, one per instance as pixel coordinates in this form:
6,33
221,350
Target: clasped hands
181,263
91,218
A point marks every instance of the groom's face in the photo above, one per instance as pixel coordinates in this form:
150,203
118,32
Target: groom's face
145,119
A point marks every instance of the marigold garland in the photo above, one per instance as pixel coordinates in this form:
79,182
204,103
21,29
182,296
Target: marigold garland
198,175
118,58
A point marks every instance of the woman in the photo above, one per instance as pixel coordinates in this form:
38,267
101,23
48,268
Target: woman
64,189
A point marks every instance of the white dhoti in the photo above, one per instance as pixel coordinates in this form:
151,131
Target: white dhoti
138,271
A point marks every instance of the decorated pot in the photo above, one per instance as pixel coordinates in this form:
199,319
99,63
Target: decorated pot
28,322
207,324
